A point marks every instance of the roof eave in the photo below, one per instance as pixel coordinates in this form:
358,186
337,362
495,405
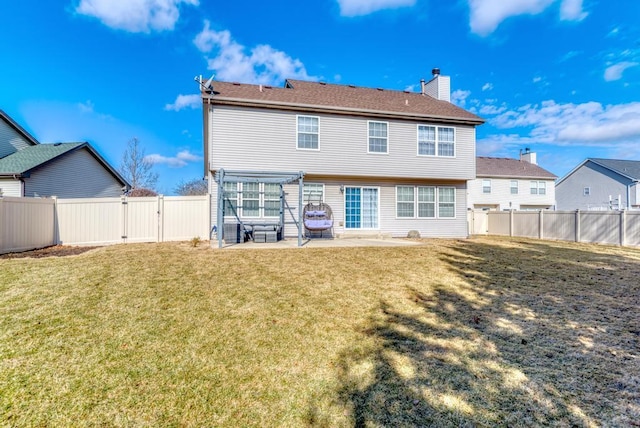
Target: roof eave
539,177
338,110
19,129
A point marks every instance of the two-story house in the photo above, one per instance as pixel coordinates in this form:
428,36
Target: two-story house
506,184
385,161
600,184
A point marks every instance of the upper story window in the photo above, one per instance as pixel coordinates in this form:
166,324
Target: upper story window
378,137
538,188
586,191
436,141
514,187
308,130
486,186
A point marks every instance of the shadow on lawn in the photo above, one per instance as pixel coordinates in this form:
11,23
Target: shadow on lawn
531,334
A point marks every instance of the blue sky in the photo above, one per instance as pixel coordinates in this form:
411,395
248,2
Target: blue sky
561,77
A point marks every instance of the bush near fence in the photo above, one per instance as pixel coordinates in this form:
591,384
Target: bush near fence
29,223
601,227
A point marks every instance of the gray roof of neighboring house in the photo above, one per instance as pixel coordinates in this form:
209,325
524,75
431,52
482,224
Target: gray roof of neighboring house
17,127
507,167
627,168
346,99
24,161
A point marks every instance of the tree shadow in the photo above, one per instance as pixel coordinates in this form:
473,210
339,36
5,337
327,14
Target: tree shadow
521,333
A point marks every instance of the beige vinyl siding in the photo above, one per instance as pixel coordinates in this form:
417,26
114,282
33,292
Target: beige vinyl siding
388,223
501,196
10,140
74,175
10,187
265,140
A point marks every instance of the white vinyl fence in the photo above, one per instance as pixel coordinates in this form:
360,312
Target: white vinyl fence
603,227
28,223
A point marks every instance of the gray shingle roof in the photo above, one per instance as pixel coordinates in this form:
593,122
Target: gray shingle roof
507,167
345,98
31,157
629,168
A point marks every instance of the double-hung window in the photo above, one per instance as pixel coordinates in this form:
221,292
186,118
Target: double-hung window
486,186
271,197
538,188
586,191
426,201
308,131
436,141
251,199
378,137
313,192
405,200
514,187
230,199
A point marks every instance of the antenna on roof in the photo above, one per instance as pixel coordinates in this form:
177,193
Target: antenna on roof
206,87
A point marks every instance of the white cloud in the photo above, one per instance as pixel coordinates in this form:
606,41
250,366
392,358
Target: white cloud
184,101
459,97
487,15
491,110
86,107
136,16
614,72
178,161
365,7
263,64
487,87
589,123
571,10
537,79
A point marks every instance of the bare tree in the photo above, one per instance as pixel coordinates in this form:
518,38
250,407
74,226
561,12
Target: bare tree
192,187
136,168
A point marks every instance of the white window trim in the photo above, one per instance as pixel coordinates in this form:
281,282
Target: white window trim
415,202
344,207
490,186
437,151
230,214
298,116
315,184
455,203
511,187
369,122
263,201
586,191
241,202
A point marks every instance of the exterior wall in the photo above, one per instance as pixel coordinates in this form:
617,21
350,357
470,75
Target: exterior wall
265,140
11,187
389,224
75,175
604,186
10,140
501,198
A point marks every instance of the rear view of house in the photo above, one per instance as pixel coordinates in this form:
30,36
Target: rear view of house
386,162
66,170
506,184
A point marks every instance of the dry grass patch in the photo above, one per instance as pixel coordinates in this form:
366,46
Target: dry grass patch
485,332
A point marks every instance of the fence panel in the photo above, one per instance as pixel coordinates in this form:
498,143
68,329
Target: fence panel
632,228
185,217
26,224
600,227
142,219
560,225
499,222
526,223
91,221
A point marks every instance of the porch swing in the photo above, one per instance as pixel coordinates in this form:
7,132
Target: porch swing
317,216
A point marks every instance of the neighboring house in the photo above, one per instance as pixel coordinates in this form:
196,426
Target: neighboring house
505,184
66,170
385,161
600,184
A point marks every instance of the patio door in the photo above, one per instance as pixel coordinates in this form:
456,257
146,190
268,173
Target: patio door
361,206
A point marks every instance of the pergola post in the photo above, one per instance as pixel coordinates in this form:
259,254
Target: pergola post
220,210
300,198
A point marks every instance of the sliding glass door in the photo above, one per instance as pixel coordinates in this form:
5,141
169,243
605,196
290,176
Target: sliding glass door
361,207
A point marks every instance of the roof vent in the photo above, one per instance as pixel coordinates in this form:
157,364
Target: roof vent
352,86
57,144
323,83
380,89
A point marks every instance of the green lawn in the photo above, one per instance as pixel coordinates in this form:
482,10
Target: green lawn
483,332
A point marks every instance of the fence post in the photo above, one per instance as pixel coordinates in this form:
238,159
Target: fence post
123,204
160,218
510,222
577,225
2,220
623,227
541,225
56,231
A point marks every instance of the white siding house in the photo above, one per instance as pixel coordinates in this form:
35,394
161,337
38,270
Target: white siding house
385,161
505,184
